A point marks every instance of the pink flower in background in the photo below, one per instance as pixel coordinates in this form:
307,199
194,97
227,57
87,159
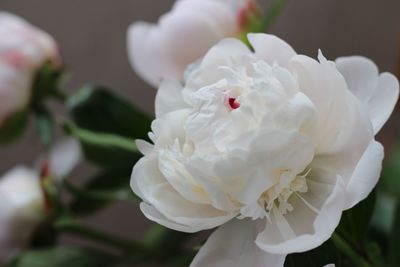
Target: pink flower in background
23,50
270,145
184,35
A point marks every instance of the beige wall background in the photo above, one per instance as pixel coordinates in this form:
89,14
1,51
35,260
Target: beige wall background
91,34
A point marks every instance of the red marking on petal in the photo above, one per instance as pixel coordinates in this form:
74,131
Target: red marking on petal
233,104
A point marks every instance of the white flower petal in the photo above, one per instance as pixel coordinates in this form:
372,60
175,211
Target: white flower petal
366,174
271,48
233,245
379,94
64,157
361,75
383,100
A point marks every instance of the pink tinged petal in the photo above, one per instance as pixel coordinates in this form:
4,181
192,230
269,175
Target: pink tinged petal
15,90
366,174
271,49
233,245
379,93
169,97
308,225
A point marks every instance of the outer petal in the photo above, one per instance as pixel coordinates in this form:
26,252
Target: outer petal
365,175
14,90
233,245
63,157
383,100
379,94
271,48
148,183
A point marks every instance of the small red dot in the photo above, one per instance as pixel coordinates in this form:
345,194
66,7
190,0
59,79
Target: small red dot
233,104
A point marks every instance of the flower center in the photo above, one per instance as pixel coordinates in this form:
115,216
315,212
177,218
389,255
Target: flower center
278,195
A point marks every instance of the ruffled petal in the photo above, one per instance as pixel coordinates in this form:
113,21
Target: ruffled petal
233,245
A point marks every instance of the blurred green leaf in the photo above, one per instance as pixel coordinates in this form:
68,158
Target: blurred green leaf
63,257
390,180
45,127
99,110
13,127
383,217
109,151
355,222
100,191
47,82
394,245
325,254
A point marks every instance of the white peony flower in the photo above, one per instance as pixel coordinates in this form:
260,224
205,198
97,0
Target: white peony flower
23,50
185,34
22,199
271,145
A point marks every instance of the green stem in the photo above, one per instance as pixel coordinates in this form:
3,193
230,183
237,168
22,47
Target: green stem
59,95
272,14
73,227
347,249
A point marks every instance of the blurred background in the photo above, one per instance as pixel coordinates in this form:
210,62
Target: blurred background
92,38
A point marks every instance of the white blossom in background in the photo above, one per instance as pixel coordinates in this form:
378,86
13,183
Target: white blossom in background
270,145
184,35
22,199
23,50
21,209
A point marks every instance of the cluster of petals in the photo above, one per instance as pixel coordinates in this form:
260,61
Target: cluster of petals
268,145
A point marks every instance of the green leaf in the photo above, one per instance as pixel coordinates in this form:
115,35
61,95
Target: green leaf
390,180
99,110
101,191
106,150
13,127
45,127
46,83
63,257
325,254
355,222
394,245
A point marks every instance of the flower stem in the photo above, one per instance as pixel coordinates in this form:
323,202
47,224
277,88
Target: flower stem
73,227
272,14
347,249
